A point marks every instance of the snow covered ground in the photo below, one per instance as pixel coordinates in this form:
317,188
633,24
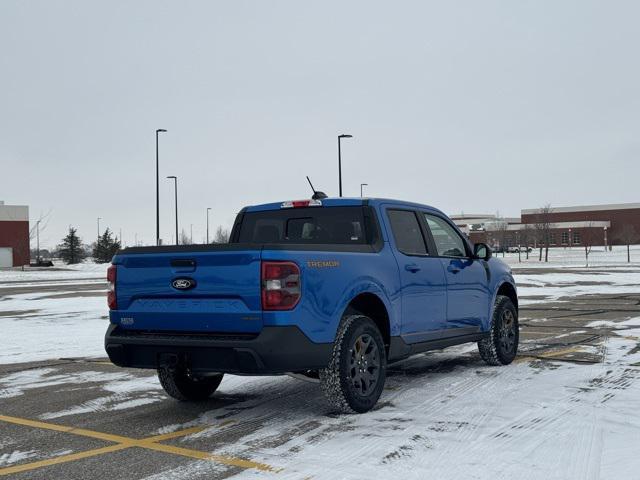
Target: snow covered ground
445,413
63,313
554,421
575,257
534,287
60,272
565,274
39,327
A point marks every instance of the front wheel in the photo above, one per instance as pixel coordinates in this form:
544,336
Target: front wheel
186,387
501,345
354,379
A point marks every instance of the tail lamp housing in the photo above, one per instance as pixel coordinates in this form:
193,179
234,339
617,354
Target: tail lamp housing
280,285
111,295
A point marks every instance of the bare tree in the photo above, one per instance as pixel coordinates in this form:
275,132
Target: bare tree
185,239
526,235
538,234
221,236
542,227
36,229
589,237
500,228
628,236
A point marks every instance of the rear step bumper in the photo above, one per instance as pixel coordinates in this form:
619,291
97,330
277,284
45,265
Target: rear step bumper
274,350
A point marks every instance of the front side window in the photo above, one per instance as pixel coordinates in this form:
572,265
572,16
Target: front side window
406,232
448,242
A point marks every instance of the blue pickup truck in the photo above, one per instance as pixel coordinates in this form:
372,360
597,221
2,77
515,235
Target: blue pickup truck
334,289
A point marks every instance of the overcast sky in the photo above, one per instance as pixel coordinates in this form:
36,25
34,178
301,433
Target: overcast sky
471,106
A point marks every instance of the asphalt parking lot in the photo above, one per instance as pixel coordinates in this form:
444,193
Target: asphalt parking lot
77,418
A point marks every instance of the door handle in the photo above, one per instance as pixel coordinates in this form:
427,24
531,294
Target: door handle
453,269
412,267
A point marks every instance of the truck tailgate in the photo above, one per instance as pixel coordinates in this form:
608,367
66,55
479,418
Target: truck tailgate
222,291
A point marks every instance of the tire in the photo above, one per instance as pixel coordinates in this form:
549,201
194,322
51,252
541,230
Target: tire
353,383
184,387
501,345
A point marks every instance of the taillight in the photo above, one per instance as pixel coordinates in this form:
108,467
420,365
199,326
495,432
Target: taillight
111,295
280,285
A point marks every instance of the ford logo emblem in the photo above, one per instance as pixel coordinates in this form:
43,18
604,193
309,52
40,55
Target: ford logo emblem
183,283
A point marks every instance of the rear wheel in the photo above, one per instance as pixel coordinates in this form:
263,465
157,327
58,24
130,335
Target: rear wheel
355,376
501,346
184,386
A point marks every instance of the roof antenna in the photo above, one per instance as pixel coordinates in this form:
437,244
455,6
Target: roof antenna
317,195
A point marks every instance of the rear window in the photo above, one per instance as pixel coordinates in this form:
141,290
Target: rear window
318,225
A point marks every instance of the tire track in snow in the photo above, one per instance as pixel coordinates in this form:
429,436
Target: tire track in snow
443,403
561,419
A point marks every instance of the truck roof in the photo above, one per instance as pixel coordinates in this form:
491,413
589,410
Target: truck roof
341,202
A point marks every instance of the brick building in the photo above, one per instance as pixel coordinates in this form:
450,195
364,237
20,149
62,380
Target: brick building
14,235
603,225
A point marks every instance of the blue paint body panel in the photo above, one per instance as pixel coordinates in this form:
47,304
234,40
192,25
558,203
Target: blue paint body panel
444,298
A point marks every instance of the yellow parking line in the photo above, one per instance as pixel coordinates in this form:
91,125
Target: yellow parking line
524,357
179,433
63,428
558,353
62,459
187,452
531,332
186,431
122,443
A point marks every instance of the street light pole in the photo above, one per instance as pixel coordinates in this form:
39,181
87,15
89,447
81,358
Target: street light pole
208,209
363,185
340,137
38,242
159,130
191,235
175,184
99,218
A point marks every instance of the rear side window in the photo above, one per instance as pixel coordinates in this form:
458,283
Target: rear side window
406,232
317,225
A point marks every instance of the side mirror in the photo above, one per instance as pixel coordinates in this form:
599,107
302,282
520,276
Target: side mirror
482,251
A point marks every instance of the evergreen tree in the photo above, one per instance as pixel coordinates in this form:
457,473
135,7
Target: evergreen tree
106,247
70,250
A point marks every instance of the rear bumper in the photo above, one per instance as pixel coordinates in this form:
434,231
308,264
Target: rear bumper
274,350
